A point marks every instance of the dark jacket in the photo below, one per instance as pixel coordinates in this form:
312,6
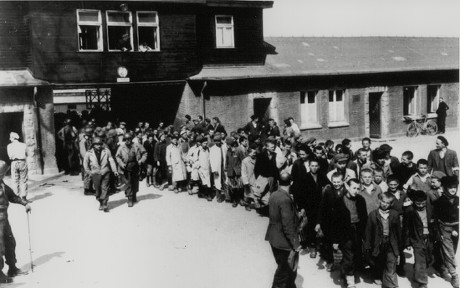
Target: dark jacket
160,152
272,131
374,232
450,160
7,195
251,130
413,228
219,128
282,228
233,163
327,207
266,167
447,212
150,148
341,228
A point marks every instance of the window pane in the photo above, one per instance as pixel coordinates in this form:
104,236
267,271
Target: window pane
88,37
339,95
219,37
224,20
92,16
331,96
147,18
119,17
332,112
119,38
228,36
311,97
302,97
147,38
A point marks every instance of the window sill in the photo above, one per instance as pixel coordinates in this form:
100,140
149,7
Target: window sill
311,126
338,124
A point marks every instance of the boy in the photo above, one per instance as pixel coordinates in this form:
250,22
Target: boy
420,180
378,180
350,218
407,168
366,142
418,233
383,241
369,191
330,152
400,203
446,214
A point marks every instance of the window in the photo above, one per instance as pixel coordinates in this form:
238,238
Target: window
148,31
336,106
89,30
410,100
224,32
119,30
308,109
433,98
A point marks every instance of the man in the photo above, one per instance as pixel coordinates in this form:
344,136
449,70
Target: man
152,167
85,145
17,152
248,177
121,130
322,161
253,127
188,123
272,129
282,234
341,161
390,160
407,168
443,159
266,173
7,241
68,135
130,156
442,114
216,158
98,163
361,161
204,169
176,165
159,157
366,143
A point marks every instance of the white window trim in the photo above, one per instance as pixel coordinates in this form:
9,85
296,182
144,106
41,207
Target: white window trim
120,25
225,26
100,43
157,25
438,95
313,124
414,104
344,121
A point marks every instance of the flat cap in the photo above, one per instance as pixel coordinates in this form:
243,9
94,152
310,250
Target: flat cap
340,157
438,174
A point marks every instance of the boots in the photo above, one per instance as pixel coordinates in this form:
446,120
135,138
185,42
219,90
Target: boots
105,206
130,202
14,271
454,281
4,278
134,198
101,205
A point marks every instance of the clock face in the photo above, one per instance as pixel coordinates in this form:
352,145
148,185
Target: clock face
122,71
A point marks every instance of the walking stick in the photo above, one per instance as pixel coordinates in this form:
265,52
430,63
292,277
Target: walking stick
30,244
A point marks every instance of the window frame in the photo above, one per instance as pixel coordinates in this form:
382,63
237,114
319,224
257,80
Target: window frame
157,25
412,109
343,119
305,110
224,26
430,109
100,42
112,25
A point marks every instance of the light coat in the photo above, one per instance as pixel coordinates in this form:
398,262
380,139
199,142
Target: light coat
175,160
204,167
92,166
216,157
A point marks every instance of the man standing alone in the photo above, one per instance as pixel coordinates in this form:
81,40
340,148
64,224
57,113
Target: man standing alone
442,114
17,151
282,234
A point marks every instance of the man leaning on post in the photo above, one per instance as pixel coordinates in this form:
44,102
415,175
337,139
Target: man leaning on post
7,241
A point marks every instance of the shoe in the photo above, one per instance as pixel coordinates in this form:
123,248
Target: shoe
209,198
220,200
106,208
4,278
15,271
101,207
329,267
148,184
243,203
248,208
454,281
378,282
234,204
130,203
228,200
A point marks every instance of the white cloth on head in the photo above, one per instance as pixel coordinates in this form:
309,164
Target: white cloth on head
14,135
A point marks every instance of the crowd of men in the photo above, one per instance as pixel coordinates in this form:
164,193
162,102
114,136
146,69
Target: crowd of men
356,209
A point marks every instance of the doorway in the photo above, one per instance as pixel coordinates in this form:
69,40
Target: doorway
262,109
10,122
375,125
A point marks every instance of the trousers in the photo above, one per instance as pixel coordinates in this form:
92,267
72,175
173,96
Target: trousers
422,259
101,185
20,176
385,266
7,242
448,249
284,276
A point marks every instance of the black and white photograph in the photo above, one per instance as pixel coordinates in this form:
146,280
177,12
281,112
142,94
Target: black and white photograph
229,143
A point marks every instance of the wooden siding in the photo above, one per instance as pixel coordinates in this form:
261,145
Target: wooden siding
14,36
55,47
248,37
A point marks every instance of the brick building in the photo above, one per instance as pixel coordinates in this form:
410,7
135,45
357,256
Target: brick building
336,87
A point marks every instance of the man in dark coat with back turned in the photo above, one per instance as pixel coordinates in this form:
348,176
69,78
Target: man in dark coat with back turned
282,234
7,241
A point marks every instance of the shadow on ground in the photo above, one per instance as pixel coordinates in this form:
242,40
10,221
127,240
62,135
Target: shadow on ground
40,196
118,203
42,260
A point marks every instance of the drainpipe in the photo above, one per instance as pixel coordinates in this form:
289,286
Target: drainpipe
39,131
203,99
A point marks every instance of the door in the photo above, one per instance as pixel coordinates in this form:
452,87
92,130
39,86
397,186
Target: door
262,108
10,122
375,129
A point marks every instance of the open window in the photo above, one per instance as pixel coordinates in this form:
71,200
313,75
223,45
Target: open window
89,26
224,32
148,31
119,31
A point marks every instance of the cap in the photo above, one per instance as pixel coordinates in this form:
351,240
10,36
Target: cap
123,123
253,117
340,157
419,195
89,131
217,138
200,139
97,140
443,140
310,140
438,174
14,135
386,147
449,181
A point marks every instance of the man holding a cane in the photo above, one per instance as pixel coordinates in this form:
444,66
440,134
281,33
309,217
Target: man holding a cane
7,241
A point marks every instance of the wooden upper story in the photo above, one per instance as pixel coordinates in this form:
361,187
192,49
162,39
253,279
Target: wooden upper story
86,41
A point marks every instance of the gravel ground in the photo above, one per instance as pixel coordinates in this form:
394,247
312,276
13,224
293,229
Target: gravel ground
165,240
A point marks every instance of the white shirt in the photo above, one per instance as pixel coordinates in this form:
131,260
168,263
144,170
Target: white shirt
16,150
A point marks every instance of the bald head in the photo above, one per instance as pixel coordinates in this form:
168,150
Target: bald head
285,179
